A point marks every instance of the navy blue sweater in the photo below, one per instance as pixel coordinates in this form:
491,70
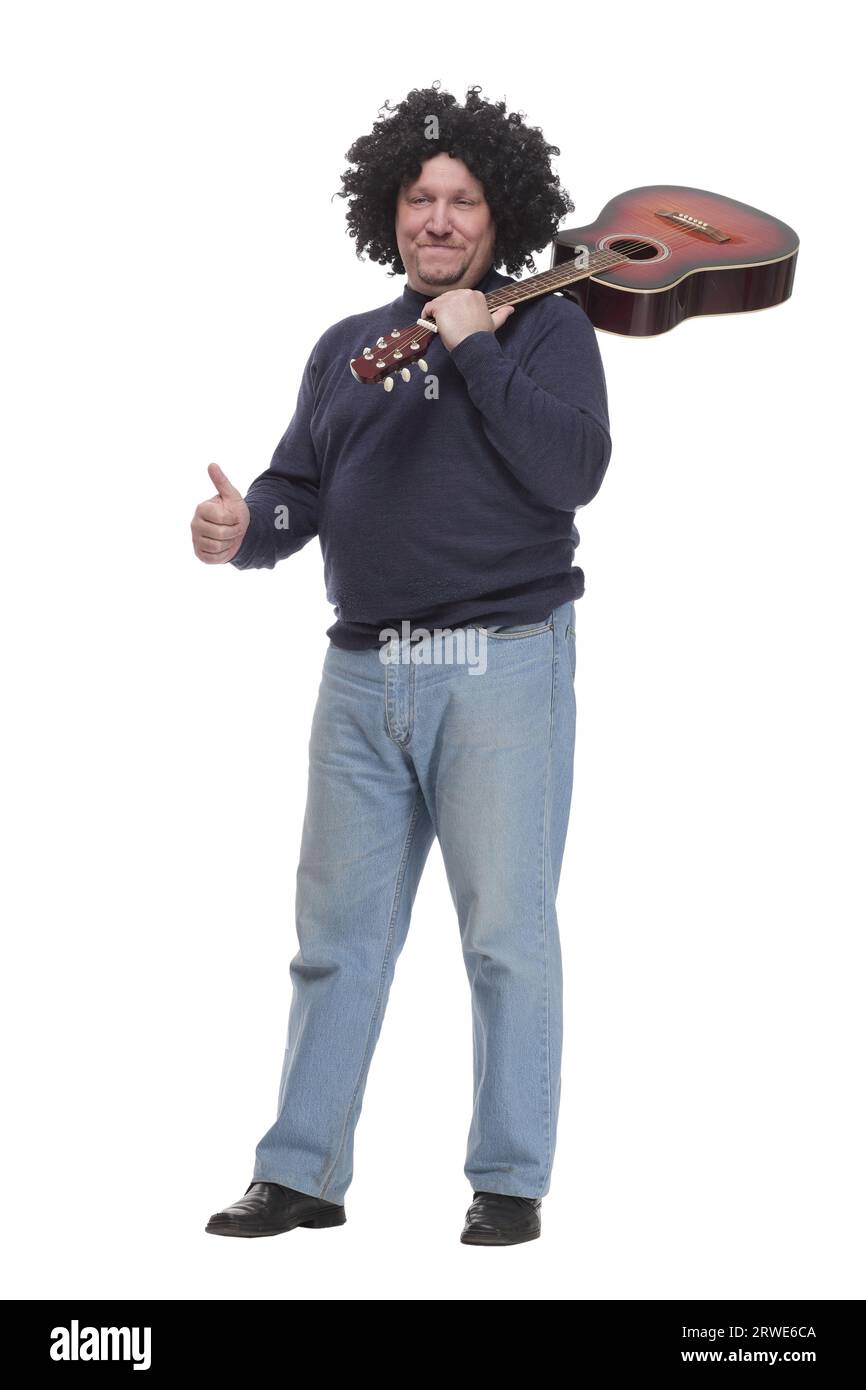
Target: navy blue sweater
443,502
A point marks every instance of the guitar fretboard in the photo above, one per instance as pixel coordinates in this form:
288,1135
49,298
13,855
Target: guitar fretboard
566,274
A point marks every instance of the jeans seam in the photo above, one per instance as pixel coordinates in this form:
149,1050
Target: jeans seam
544,859
389,941
391,705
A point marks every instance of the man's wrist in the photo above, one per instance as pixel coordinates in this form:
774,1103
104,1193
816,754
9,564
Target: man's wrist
478,344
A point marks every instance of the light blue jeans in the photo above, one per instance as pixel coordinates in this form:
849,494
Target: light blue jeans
483,759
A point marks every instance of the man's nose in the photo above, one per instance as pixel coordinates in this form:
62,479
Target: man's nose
439,222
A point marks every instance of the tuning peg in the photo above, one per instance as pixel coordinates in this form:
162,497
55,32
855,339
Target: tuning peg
388,383
422,364
405,373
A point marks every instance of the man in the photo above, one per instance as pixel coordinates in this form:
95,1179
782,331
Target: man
446,507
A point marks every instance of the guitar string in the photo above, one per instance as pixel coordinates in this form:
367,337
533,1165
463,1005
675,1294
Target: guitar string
565,277
505,293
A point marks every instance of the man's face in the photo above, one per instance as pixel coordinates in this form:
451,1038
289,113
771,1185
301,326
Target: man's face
445,233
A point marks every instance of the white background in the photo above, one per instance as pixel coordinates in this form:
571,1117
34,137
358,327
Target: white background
172,253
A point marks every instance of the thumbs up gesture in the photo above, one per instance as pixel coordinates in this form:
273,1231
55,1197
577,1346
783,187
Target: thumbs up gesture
219,525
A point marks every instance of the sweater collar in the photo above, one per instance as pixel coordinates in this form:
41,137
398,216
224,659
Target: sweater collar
412,301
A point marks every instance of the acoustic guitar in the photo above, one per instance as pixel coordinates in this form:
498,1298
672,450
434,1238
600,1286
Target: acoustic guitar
653,257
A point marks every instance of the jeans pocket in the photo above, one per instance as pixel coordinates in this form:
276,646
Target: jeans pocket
571,644
519,629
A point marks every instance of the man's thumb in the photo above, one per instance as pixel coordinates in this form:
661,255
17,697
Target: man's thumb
226,490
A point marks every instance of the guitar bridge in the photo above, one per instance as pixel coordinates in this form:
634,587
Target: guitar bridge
693,224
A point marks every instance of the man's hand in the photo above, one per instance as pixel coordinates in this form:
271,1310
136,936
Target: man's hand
220,524
457,313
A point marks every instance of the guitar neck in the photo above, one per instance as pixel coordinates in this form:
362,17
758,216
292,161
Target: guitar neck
405,346
550,280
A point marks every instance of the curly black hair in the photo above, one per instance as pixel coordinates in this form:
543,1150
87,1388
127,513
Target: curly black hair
511,161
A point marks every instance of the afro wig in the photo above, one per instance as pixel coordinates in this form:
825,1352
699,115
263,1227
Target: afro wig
510,160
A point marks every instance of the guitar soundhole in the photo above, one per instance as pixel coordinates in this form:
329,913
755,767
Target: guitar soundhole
635,249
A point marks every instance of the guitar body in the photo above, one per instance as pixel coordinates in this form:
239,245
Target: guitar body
689,252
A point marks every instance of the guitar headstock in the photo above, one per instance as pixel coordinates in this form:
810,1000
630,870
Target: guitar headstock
394,354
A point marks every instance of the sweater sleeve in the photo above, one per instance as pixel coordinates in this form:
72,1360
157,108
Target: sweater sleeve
284,500
547,416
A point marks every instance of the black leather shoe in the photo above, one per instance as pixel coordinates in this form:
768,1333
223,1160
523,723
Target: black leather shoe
267,1208
497,1219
